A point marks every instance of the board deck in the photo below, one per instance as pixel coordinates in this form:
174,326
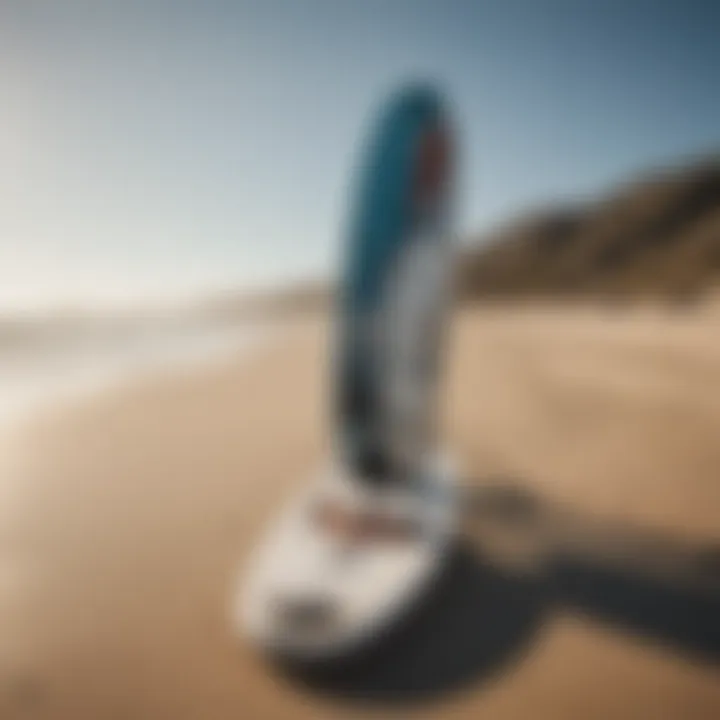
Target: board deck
309,594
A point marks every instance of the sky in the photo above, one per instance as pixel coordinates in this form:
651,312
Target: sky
158,150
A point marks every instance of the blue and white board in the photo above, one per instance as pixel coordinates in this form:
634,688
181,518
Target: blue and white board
358,545
394,290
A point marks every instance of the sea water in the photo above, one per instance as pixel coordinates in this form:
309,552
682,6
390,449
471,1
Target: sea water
44,362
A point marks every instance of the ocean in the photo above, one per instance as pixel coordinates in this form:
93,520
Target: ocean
45,361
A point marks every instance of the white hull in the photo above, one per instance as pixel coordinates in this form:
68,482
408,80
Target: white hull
311,595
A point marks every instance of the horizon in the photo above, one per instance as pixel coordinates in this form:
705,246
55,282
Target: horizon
153,155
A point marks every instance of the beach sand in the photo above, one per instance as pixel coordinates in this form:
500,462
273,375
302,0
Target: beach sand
586,585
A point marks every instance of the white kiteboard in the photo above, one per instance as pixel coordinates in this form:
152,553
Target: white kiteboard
341,564
358,546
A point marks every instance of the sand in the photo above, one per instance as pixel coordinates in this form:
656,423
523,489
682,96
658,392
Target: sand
586,585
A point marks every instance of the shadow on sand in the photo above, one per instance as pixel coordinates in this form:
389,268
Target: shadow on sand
475,622
518,560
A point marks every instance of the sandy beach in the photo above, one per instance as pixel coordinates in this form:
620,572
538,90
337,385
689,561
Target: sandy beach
586,583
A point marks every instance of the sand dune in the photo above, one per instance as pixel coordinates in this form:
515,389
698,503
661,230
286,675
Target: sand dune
586,584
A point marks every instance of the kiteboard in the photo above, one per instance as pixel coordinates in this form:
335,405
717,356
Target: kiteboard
357,546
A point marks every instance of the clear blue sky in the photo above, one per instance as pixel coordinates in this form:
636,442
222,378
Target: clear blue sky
160,148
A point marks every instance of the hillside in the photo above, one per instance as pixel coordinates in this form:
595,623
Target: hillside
659,236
